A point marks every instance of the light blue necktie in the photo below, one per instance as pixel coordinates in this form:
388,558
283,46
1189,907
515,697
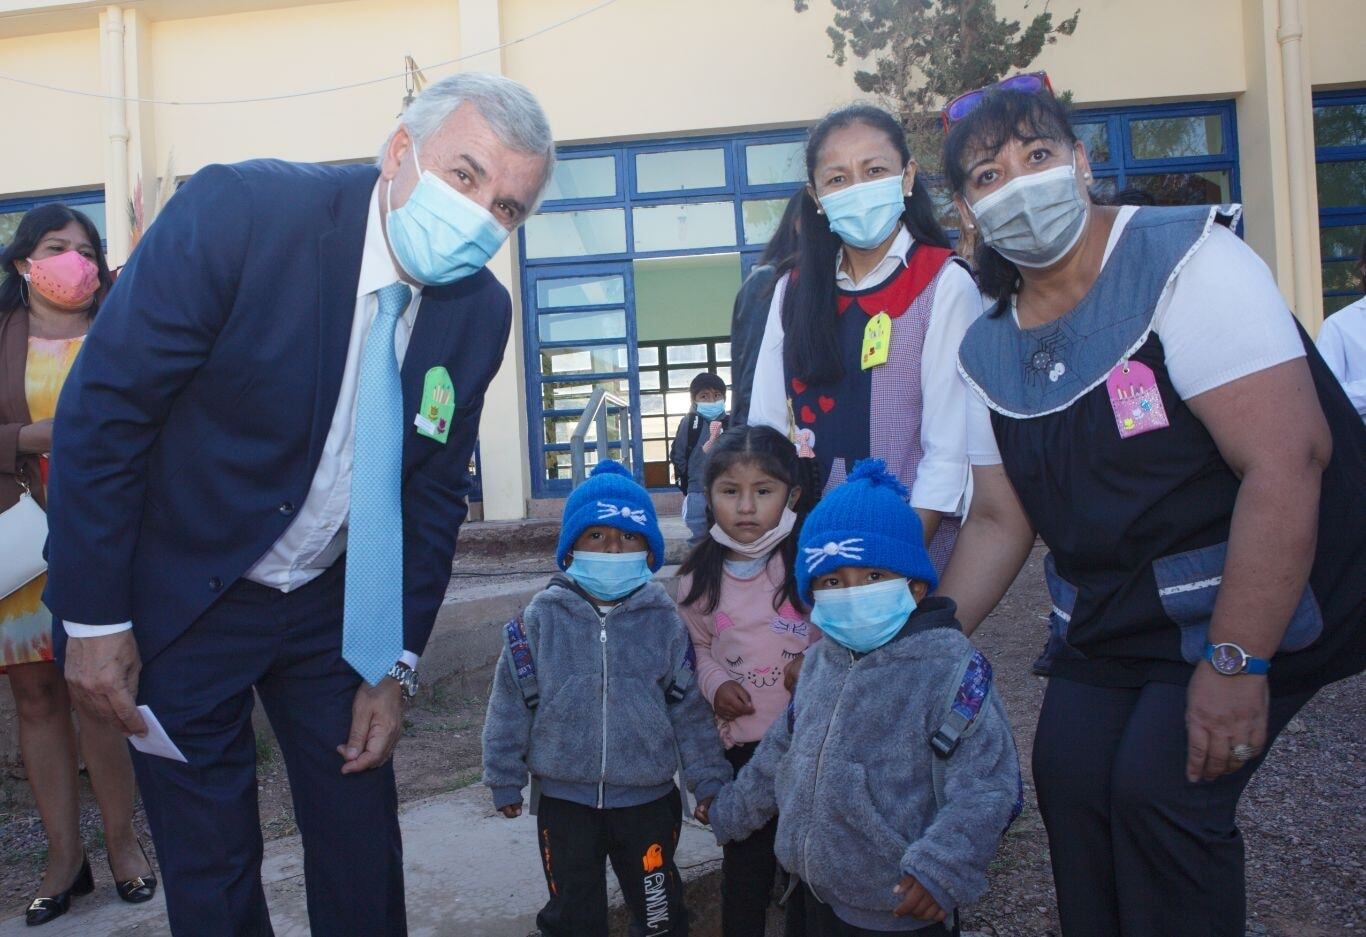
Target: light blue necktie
372,623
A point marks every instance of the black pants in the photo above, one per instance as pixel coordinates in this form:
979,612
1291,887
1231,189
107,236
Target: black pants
576,842
1137,850
203,815
747,869
808,916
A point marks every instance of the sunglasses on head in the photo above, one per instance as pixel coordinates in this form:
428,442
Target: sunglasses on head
967,102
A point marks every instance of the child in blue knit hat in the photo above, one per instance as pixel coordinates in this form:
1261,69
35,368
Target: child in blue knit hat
899,772
594,700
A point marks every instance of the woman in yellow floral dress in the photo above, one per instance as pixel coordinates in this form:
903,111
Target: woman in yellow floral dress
54,275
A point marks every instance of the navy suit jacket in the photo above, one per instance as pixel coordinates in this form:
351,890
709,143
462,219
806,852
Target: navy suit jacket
192,423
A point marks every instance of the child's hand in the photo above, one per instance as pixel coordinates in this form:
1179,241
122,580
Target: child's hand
731,701
511,811
918,903
703,810
792,671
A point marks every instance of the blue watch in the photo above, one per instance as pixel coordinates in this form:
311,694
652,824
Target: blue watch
1230,660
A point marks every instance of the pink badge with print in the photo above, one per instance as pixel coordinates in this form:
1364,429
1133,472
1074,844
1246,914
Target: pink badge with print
1135,399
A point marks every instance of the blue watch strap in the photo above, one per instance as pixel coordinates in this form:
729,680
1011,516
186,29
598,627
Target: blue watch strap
1257,666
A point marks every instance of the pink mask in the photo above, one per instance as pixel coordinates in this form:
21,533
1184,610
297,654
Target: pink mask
67,280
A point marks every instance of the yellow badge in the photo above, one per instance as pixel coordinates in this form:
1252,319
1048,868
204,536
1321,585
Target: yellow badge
877,341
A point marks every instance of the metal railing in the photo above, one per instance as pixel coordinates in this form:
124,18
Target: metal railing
596,412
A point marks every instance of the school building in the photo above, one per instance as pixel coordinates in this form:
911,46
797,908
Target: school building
681,126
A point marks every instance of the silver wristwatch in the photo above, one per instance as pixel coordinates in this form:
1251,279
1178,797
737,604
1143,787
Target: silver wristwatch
407,679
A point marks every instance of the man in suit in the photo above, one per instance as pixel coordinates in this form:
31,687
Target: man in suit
259,468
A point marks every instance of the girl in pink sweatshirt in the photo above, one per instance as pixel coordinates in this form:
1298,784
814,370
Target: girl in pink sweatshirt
740,602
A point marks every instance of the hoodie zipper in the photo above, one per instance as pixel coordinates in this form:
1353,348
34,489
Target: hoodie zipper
602,640
816,780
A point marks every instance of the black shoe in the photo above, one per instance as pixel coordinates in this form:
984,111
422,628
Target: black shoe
43,910
140,889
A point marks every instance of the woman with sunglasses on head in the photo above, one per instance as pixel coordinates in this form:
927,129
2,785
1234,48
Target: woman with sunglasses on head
53,276
1144,401
858,353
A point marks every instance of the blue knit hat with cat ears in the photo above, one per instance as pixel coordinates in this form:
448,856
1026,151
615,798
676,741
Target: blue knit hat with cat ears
610,498
864,522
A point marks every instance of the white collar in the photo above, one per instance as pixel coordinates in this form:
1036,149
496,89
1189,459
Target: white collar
895,257
377,267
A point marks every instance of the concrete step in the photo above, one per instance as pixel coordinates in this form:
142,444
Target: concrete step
467,870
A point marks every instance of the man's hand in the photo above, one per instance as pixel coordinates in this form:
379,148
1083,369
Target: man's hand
918,902
511,811
36,438
376,724
703,811
102,674
731,701
792,670
1221,713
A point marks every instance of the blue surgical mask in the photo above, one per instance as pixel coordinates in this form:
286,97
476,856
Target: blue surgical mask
712,411
863,618
439,236
609,576
864,215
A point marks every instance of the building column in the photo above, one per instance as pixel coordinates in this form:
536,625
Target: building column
116,135
504,472
1300,162
142,152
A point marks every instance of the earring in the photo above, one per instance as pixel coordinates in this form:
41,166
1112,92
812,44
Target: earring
971,226
1088,177
820,211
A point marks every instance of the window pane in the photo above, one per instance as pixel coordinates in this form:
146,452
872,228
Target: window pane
652,403
1332,304
560,429
682,377
556,361
1169,137
724,374
582,326
575,233
557,464
654,427
678,402
1340,125
1343,242
680,170
1342,185
656,451
761,219
606,290
944,209
687,354
684,226
775,163
1340,276
1104,189
648,356
9,223
723,351
1096,137
588,177
573,395
1185,188
649,380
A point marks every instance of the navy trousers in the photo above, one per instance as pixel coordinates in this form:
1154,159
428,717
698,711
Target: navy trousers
1137,850
203,815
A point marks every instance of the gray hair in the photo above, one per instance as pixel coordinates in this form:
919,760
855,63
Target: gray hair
512,112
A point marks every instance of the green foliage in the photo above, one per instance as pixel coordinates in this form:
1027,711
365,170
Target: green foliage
920,54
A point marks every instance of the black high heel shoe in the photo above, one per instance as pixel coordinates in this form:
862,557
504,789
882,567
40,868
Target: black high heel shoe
43,910
140,889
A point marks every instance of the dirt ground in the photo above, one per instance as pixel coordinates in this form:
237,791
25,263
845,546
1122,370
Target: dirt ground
1301,815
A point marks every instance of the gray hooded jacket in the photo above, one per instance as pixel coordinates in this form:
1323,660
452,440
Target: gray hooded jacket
603,734
852,782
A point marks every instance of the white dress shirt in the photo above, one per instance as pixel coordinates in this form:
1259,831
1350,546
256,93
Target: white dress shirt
942,478
1342,342
317,536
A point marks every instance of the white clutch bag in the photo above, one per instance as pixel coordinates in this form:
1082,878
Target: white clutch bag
23,531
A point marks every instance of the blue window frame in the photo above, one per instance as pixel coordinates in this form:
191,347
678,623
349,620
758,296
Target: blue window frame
90,201
1180,154
656,199
1340,157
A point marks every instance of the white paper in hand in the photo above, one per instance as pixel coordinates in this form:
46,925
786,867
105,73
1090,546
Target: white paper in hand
156,741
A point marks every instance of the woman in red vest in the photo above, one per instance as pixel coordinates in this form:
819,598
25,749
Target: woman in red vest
859,353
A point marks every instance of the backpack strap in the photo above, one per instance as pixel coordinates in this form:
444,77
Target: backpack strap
520,663
683,676
974,686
